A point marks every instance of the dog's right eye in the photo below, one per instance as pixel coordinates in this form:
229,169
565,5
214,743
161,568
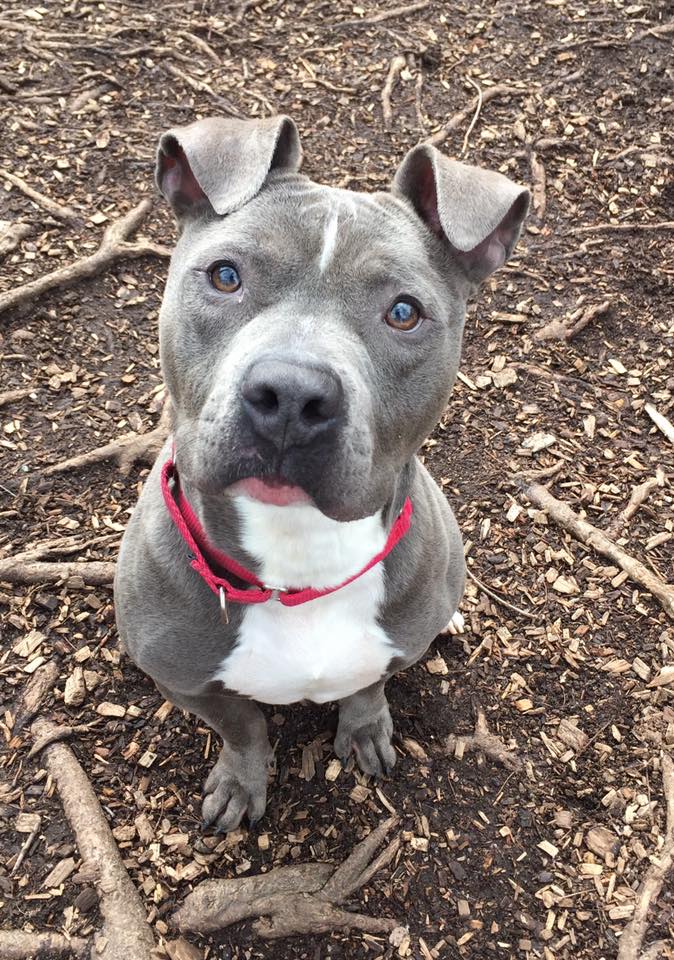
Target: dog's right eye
225,277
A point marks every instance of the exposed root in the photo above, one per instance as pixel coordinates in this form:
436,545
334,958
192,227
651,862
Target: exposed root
57,210
96,573
632,938
125,934
299,899
562,514
484,742
664,227
539,199
491,93
11,235
11,396
638,496
499,599
114,246
476,115
397,65
577,321
56,735
17,945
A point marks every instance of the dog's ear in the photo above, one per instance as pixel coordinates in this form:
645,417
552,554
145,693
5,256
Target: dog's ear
216,165
478,212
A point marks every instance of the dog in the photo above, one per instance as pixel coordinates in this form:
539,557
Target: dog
288,545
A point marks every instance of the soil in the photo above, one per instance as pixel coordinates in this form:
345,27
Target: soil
493,863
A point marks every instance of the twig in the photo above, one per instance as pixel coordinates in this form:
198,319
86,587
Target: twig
629,947
491,93
125,934
639,495
478,109
384,15
538,183
483,741
200,44
567,329
18,945
418,87
397,64
25,847
299,899
660,421
498,599
592,537
665,225
96,573
11,396
114,246
11,235
202,87
57,210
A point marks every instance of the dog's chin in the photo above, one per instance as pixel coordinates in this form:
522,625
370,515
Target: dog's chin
270,490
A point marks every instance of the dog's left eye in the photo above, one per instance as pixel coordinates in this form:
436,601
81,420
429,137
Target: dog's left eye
225,277
403,315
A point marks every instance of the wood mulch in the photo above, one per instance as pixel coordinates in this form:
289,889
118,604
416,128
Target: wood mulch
566,384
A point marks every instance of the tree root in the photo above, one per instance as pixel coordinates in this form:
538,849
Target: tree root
397,64
490,93
384,15
126,450
664,227
629,947
96,573
299,899
125,934
11,396
56,735
591,536
566,329
17,945
57,210
639,495
39,685
484,742
114,246
11,235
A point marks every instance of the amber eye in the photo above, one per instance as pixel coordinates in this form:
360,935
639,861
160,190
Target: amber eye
225,277
403,315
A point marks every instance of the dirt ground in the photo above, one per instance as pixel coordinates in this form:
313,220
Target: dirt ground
571,659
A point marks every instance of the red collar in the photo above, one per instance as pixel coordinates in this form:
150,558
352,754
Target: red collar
201,552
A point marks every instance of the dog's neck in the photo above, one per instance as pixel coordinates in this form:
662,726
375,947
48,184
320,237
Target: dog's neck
292,546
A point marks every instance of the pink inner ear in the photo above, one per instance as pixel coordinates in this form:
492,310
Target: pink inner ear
178,183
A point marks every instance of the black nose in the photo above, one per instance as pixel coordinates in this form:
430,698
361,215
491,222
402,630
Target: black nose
292,405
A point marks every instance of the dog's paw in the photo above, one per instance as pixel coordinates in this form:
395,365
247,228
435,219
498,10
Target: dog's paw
370,742
456,625
236,787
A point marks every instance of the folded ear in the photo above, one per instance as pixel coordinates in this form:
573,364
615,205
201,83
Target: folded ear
217,165
479,212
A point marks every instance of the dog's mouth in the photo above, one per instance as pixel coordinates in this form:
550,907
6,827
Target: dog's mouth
271,490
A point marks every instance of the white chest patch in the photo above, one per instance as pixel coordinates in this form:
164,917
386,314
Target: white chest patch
322,650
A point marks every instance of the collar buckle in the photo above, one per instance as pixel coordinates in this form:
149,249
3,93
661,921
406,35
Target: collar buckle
224,613
275,591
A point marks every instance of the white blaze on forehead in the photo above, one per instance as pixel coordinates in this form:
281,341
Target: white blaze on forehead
329,238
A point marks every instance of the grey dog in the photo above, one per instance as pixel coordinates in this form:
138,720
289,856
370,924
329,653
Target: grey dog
288,545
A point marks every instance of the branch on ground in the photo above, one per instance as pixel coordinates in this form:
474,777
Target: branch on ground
592,537
17,945
114,246
490,93
125,934
577,321
96,573
638,497
299,899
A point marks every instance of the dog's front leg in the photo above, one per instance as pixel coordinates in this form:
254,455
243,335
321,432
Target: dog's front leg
365,726
237,784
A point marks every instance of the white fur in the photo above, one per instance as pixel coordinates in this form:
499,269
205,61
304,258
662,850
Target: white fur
327,648
329,239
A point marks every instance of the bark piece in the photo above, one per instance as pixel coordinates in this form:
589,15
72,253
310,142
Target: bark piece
11,235
125,934
483,741
37,688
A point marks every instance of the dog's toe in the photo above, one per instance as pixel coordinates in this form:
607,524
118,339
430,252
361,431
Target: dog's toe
371,744
456,625
231,793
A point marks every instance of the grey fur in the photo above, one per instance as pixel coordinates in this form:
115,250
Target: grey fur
300,310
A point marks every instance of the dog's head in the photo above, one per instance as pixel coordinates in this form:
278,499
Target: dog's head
310,336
